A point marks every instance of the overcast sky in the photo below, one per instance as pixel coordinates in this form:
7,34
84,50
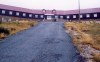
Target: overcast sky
52,4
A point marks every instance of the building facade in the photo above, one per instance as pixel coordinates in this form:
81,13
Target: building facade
9,13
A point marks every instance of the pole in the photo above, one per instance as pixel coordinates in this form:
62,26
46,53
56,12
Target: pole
79,10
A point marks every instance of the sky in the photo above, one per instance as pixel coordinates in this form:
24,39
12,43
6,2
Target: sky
53,4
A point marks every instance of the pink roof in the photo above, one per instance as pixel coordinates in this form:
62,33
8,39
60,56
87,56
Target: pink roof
91,10
18,9
61,12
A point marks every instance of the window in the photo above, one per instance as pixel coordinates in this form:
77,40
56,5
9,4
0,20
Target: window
61,17
24,14
49,17
17,13
56,17
87,15
3,11
30,15
81,16
41,16
95,15
74,16
68,17
10,12
36,16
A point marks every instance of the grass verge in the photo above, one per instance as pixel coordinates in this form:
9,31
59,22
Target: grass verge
9,28
88,34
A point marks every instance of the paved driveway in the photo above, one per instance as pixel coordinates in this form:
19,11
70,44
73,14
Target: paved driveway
46,42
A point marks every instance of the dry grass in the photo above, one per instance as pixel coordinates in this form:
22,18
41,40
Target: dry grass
89,33
96,57
15,26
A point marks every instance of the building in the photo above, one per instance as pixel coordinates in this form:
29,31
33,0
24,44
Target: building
9,13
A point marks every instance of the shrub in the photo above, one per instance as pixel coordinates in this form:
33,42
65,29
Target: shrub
31,24
4,30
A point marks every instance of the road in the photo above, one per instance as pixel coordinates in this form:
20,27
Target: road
46,42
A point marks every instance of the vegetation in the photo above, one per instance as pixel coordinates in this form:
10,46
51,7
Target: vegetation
9,28
96,57
88,34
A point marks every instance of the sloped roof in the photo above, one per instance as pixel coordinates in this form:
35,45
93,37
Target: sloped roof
90,10
61,12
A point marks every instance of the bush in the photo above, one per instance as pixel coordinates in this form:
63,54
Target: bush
4,30
31,25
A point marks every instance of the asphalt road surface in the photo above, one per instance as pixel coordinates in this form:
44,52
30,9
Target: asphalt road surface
46,42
